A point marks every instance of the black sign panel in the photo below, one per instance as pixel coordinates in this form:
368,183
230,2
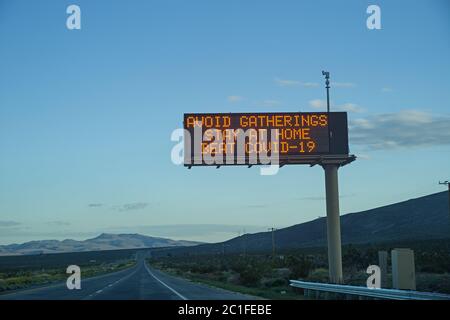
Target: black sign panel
259,138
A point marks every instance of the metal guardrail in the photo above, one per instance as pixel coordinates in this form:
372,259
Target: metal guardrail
391,294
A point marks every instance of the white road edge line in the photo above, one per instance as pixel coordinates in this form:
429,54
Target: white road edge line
164,284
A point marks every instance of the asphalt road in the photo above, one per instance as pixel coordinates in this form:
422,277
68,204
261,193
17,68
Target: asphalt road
137,283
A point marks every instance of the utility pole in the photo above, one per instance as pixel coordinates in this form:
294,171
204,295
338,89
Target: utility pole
447,183
244,235
273,241
332,200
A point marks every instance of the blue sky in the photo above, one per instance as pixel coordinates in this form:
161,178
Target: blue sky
86,115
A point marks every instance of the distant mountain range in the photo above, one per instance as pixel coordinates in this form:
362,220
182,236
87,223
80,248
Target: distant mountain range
102,242
422,218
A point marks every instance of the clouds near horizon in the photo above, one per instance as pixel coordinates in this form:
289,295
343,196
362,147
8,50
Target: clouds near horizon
403,129
9,223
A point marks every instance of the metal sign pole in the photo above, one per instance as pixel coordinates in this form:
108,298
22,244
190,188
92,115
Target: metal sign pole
333,215
333,223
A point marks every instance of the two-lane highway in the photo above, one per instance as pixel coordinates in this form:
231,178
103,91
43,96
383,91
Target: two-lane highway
137,283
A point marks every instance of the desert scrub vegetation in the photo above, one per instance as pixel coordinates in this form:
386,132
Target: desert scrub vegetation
259,275
21,279
268,276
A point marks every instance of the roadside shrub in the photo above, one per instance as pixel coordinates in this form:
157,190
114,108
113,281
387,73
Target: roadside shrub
277,282
319,275
300,266
249,277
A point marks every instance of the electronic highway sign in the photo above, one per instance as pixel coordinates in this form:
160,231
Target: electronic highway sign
263,138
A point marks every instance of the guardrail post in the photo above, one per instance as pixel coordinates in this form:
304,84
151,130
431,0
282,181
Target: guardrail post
382,263
333,223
